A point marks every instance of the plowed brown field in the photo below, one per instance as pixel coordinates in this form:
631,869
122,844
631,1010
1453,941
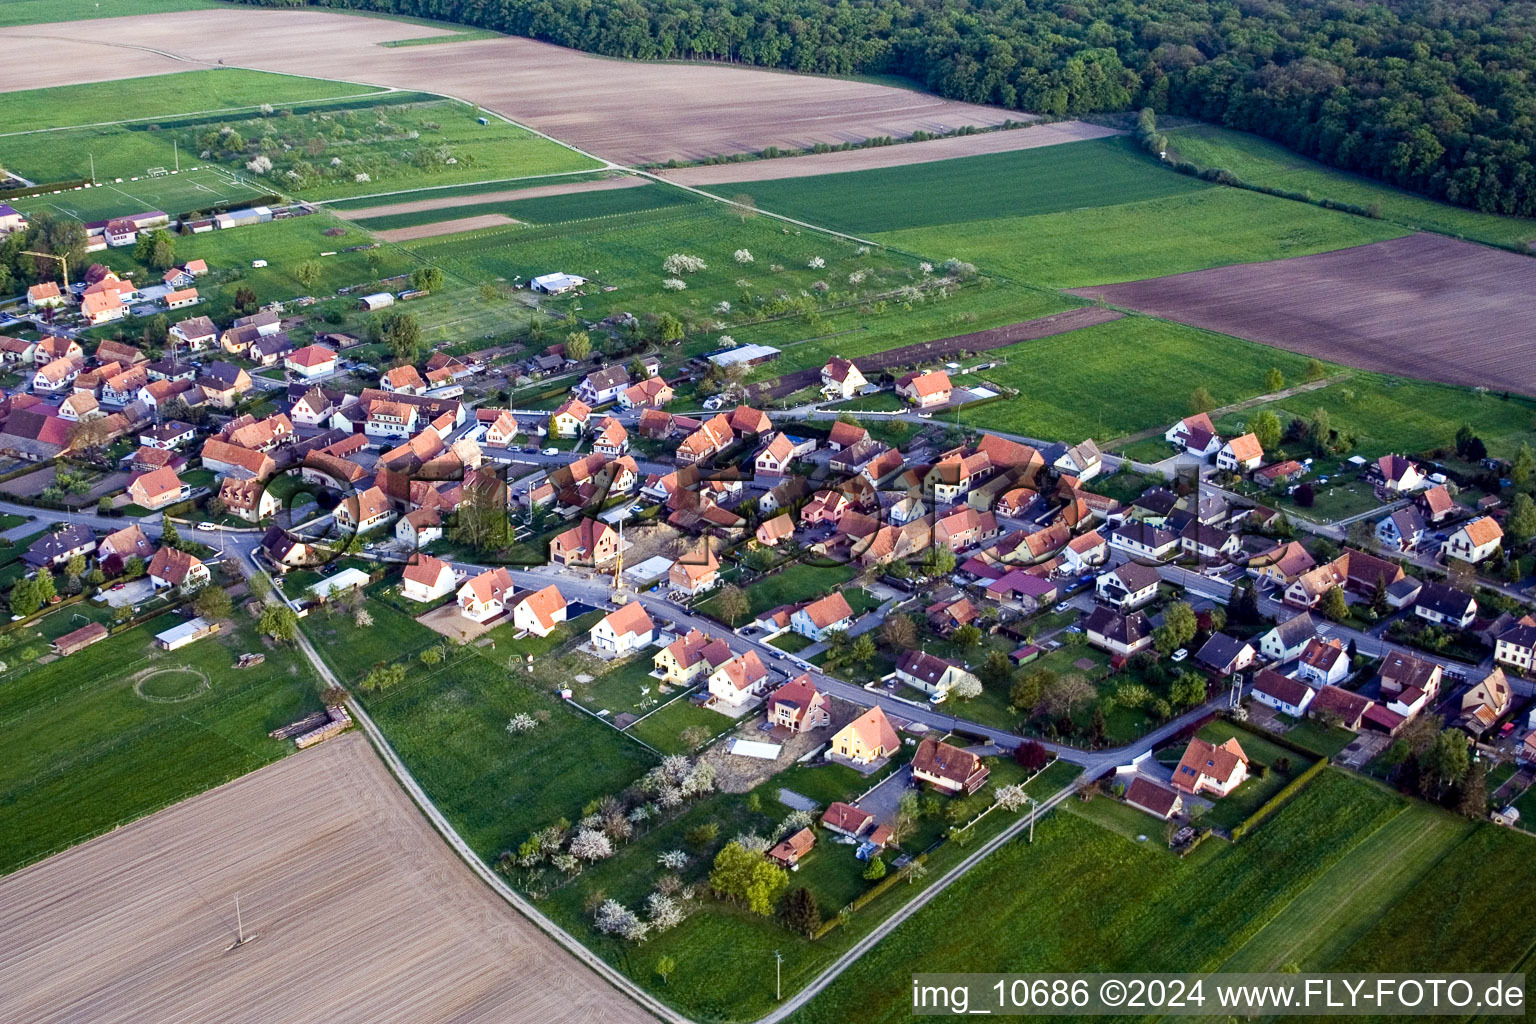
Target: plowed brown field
1420,306
627,111
361,914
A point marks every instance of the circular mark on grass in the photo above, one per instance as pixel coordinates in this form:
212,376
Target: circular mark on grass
170,685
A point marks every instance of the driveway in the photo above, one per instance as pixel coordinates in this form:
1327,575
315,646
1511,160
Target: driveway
882,801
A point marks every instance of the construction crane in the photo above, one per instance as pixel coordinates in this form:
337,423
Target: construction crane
52,256
618,560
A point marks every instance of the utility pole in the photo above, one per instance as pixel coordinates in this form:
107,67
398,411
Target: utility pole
1032,815
778,976
176,151
240,936
93,168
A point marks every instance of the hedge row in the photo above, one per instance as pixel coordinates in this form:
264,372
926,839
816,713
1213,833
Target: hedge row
1275,802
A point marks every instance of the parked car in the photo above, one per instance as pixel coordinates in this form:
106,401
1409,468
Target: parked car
551,451
206,527
1180,654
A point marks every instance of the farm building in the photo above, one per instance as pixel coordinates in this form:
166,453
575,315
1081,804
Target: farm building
745,355
188,632
242,218
556,284
79,640
378,300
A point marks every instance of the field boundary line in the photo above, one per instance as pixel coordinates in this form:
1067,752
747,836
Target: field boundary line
380,91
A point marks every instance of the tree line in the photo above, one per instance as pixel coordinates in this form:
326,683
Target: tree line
1431,96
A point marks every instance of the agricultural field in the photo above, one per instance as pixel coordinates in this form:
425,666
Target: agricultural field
1020,183
1394,414
577,204
1405,306
1104,244
1225,900
626,253
34,12
338,875
1259,161
428,197
121,729
57,110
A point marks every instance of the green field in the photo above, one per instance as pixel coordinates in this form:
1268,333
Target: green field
153,96
1394,414
173,194
1145,370
626,252
1085,898
1050,179
37,12
546,209
458,191
1129,241
284,245
1261,162
353,651
79,737
664,728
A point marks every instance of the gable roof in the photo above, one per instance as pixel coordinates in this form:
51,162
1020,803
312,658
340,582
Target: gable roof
1246,447
543,604
1219,761
874,730
1282,688
825,611
172,565
426,570
629,619
941,760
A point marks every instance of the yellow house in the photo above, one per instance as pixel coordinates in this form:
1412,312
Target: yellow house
571,418
867,738
690,657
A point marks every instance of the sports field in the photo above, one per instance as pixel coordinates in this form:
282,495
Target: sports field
175,194
122,728
1347,876
1025,182
1262,162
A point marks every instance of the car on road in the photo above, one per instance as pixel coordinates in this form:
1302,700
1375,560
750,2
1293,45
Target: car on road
1063,606
551,451
206,527
1180,654
531,448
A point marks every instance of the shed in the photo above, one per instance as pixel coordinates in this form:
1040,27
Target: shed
342,581
80,639
378,300
188,632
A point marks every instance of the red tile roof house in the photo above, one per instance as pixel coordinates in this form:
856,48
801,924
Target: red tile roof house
157,489
626,629
482,598
1349,708
822,616
798,706
1158,801
737,682
1211,768
788,853
172,568
311,361
427,579
1284,694
925,390
589,542
846,819
948,768
695,573
539,611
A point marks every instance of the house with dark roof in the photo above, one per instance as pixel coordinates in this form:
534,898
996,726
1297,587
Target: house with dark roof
947,768
1222,655
58,547
929,673
1332,702
1127,586
1284,694
1119,634
1445,606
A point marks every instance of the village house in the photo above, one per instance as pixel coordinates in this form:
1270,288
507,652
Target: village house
1397,475
157,489
1436,503
1240,455
118,547
1128,586
168,435
689,657
570,419
1333,703
846,819
1208,543
747,422
867,738
539,611
694,573
1485,703
1516,646
1143,540
1284,694
774,531
223,383
1119,634
1211,768
822,616
1286,640
965,529
1474,540
825,507
738,681
929,673
365,511
798,706
1445,606
840,378
483,597
173,568
1085,552
419,527
925,389
611,438
713,436
427,579
59,546
403,380
1083,461
624,630
845,435
311,362
1323,662
1195,435
589,542
1401,530
948,769
1403,675
248,499
1279,474
603,386
56,376
1221,656
651,393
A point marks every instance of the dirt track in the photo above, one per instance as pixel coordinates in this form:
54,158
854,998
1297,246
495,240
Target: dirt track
446,227
629,112
1033,137
1419,306
361,912
533,192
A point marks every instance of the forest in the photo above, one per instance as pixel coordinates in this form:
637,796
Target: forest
1437,96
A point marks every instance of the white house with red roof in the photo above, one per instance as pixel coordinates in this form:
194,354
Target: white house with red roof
311,362
427,579
539,611
623,631
925,389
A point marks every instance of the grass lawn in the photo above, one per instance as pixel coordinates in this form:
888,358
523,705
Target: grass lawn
664,727
1102,244
1122,819
1262,162
1122,898
353,651
1152,366
1322,740
1050,179
1392,414
629,687
791,643
798,582
37,12
86,752
173,194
